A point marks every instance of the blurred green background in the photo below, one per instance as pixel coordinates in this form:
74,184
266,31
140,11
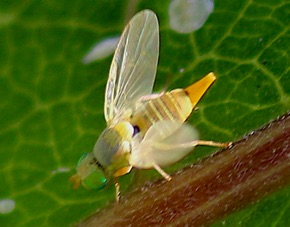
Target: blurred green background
51,108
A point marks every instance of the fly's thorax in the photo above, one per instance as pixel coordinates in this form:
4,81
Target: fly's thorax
113,145
174,105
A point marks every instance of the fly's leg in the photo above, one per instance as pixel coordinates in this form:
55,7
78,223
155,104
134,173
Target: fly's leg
214,144
118,194
161,171
194,143
185,145
150,97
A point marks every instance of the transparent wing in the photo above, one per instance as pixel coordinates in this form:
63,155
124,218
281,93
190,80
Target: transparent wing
134,65
165,143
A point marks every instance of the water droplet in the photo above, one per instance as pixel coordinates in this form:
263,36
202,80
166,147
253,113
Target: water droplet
189,15
101,50
6,206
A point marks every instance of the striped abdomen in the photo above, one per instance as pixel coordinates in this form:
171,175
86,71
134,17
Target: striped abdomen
175,105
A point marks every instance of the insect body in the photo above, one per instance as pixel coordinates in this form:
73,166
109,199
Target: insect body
144,130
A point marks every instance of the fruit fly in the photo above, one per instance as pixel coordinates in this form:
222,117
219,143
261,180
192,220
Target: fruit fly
144,130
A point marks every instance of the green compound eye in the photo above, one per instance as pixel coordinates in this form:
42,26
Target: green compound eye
89,172
95,180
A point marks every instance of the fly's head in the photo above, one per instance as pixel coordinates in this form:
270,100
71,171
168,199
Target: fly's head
89,173
109,159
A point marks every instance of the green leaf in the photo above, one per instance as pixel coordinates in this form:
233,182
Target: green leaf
52,105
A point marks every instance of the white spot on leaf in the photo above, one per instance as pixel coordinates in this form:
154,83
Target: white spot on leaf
101,50
6,206
189,15
61,170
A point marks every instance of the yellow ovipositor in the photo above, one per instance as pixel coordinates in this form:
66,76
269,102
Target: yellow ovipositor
144,130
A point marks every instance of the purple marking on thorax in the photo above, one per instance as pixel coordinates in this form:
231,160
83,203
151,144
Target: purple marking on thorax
136,130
